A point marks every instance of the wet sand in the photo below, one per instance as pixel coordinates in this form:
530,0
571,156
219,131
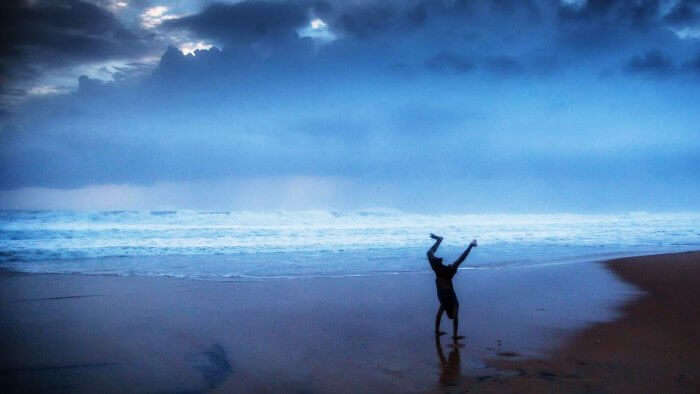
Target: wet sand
535,329
653,348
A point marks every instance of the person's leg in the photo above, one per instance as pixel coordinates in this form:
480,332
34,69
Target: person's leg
438,317
455,324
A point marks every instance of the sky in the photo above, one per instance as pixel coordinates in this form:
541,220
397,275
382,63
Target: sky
463,106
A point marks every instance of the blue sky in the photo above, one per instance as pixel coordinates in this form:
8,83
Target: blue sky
429,106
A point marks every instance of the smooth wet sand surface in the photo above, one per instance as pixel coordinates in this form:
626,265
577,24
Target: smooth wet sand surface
653,348
76,333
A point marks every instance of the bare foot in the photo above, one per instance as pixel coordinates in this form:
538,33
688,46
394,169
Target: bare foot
440,333
435,237
457,337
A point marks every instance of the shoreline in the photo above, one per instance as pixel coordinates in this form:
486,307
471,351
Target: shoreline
87,333
583,259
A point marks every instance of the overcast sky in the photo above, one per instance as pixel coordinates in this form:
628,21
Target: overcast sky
429,106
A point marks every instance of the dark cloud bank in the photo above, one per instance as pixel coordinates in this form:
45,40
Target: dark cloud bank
42,36
514,105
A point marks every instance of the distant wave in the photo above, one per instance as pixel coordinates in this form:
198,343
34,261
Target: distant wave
161,213
301,243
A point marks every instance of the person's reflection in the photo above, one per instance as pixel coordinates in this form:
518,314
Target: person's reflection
451,369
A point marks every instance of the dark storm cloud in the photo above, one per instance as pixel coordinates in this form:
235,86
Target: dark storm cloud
684,13
634,13
71,27
641,13
69,30
371,19
245,22
44,35
368,20
529,8
204,65
653,62
608,23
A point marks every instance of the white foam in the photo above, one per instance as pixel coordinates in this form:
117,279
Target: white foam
320,242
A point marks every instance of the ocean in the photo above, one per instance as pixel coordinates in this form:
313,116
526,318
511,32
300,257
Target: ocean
239,245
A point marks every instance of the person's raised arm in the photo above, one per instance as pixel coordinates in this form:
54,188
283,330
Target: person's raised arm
464,254
433,249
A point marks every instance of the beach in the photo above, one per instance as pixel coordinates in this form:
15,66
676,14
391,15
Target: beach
248,196
652,348
626,325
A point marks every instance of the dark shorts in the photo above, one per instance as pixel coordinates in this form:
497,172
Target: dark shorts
448,300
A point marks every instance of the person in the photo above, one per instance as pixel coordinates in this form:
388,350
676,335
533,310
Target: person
443,282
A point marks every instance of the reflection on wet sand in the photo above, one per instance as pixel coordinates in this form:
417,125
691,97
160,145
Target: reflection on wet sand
451,366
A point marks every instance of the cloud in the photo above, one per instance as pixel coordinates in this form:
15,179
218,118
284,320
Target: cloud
40,36
694,64
245,22
504,65
653,62
154,16
252,97
631,13
597,24
369,19
294,192
684,13
130,70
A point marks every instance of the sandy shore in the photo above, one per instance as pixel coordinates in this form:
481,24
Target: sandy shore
536,329
653,348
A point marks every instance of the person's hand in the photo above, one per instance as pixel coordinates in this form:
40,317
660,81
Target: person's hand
435,237
473,244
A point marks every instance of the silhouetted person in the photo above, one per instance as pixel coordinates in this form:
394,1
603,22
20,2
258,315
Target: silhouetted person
443,282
